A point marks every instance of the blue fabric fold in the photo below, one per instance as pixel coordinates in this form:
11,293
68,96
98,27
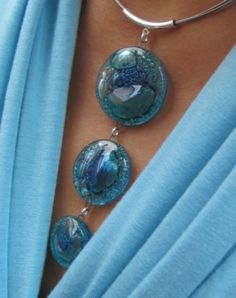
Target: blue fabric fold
220,283
178,219
37,43
197,251
11,19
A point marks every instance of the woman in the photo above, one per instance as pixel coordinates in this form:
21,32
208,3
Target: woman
173,233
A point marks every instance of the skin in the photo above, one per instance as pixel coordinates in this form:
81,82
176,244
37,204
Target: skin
190,53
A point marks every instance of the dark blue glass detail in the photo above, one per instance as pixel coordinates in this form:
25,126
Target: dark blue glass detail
101,172
68,238
132,86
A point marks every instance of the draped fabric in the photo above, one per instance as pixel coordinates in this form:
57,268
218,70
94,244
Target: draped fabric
37,39
173,234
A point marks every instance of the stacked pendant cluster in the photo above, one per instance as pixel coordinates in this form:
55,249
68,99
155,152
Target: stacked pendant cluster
131,89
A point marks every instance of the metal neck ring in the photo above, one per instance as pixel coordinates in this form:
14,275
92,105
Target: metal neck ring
173,23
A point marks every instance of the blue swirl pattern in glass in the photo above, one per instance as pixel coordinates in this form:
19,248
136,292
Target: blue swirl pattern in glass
68,237
101,172
132,86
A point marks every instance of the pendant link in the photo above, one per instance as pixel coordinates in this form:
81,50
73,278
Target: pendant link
115,132
84,212
144,38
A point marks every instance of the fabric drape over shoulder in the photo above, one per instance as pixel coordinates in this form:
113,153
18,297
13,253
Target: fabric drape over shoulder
173,234
37,41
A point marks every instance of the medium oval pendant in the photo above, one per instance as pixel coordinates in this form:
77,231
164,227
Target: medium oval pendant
132,86
101,172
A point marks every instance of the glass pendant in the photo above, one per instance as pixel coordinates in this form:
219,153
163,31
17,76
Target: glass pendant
68,238
131,89
132,86
101,172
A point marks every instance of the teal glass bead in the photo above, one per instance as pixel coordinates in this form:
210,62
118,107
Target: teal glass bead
132,86
101,172
68,238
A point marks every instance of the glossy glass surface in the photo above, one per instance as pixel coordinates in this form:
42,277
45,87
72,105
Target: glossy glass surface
101,172
68,237
132,86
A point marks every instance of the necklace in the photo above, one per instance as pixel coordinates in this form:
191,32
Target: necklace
131,88
173,23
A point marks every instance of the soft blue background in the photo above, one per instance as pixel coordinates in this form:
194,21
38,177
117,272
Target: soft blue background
173,235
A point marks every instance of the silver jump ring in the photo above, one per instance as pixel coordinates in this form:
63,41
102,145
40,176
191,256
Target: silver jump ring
84,212
115,132
144,37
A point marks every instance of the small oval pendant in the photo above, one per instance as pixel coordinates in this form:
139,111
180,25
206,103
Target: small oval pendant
68,238
101,172
132,86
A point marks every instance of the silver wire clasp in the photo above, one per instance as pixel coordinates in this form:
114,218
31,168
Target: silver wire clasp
144,38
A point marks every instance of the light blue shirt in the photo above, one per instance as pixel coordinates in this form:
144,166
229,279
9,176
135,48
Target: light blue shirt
173,235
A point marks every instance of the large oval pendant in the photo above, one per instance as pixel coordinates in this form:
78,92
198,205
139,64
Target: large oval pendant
132,86
101,172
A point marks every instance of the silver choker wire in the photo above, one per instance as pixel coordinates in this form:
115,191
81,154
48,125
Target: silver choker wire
173,23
